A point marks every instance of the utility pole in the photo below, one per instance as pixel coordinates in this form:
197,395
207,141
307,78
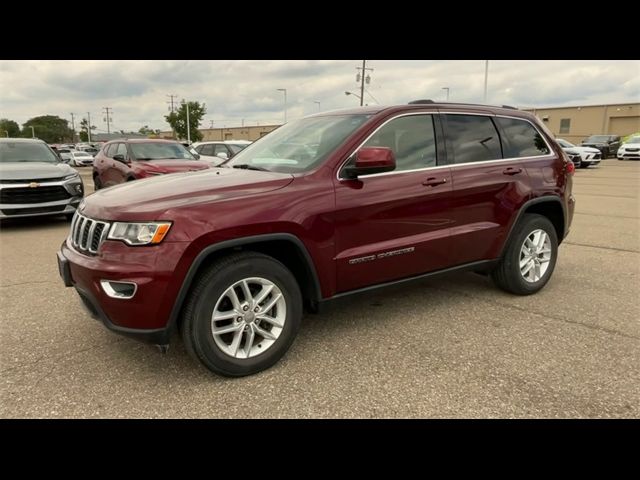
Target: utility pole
171,97
171,109
361,77
73,128
107,118
89,127
211,125
33,132
188,126
243,122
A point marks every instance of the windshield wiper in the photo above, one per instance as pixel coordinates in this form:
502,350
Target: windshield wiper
246,166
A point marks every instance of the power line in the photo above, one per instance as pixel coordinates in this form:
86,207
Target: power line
371,95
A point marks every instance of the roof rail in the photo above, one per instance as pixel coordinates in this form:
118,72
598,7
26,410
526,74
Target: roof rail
420,102
509,107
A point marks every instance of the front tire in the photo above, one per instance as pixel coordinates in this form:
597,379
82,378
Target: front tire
242,315
529,258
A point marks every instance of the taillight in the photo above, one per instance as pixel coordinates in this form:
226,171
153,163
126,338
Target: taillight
570,167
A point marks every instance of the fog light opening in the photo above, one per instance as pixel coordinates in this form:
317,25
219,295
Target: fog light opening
121,290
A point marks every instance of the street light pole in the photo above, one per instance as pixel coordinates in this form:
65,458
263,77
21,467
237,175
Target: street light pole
486,77
316,101
284,90
7,132
33,132
447,89
89,127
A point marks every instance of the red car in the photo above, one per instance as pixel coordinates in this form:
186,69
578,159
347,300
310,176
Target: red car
121,161
326,206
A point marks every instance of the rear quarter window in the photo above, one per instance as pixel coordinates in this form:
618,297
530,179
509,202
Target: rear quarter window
521,139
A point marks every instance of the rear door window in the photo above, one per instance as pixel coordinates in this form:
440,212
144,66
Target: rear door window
472,138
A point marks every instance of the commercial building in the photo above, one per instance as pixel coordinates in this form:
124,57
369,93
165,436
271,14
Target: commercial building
577,123
252,133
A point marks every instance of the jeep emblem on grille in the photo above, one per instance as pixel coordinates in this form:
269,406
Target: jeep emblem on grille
34,185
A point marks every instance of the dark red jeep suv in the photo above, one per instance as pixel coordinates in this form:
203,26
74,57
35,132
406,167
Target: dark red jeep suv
323,207
124,160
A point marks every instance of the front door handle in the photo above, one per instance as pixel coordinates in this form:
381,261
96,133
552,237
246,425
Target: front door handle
434,182
512,171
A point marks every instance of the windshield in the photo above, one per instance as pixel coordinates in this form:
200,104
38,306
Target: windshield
565,144
26,152
634,140
236,147
298,146
160,151
597,138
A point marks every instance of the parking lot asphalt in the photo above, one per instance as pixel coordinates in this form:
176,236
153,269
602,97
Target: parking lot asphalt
449,347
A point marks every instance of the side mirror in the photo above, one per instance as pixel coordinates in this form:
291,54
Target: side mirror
196,155
371,160
120,158
222,155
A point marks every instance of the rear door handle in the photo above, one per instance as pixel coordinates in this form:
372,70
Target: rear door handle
434,182
512,171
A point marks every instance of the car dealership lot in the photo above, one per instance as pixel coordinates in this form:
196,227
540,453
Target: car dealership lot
447,347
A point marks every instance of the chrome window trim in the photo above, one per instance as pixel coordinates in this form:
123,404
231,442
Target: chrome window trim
451,165
408,114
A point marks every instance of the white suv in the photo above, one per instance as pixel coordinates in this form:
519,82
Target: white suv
222,149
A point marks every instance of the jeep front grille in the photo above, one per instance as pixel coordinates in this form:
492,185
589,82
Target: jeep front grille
87,235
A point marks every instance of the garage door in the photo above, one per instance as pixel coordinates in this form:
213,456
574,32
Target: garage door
624,125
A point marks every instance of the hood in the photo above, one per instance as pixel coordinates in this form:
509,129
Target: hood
593,144
33,170
585,149
170,165
149,198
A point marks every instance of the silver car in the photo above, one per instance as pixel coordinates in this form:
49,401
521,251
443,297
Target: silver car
33,180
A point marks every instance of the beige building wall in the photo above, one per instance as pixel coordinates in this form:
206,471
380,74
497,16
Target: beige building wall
577,123
251,133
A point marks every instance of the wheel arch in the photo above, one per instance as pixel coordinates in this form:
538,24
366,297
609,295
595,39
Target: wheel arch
548,206
284,247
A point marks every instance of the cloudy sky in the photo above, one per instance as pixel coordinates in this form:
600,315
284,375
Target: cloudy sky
236,90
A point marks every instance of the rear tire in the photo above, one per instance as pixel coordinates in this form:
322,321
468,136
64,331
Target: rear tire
521,269
250,343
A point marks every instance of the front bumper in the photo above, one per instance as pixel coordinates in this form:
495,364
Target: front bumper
146,315
628,155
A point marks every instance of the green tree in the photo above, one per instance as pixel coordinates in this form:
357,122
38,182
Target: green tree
50,128
84,128
9,128
148,131
178,120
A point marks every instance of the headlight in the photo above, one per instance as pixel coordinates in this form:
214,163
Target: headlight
72,176
148,233
572,152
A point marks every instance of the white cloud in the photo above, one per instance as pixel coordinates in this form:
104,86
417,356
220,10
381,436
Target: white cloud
237,90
